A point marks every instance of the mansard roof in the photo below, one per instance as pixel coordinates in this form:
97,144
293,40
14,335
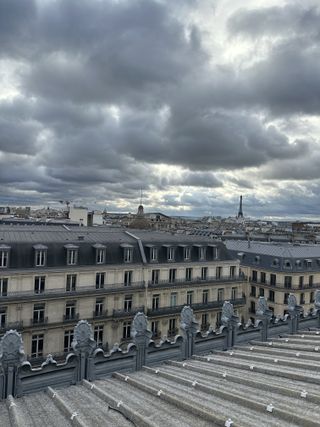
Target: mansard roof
289,257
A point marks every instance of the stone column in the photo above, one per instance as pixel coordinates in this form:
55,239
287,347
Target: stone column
11,357
231,322
189,328
294,314
84,345
263,315
141,337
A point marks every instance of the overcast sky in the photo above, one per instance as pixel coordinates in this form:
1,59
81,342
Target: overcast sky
196,102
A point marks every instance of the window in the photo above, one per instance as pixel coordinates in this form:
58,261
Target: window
308,263
263,277
127,305
220,294
37,345
205,296
189,297
215,252
40,257
234,293
204,273
301,280
285,298
273,279
232,272
72,256
252,307
4,258
218,272
275,262
271,296
38,313
98,309
311,281
253,291
187,253
173,299
257,259
3,287
155,277
302,300
155,301
155,328
127,280
70,310
202,253
126,330
39,284
287,264
98,335
204,321
3,316
100,278
172,327
311,297
68,338
254,276
71,282
128,254
188,274
153,254
218,321
288,282
171,253
100,255
172,275
261,292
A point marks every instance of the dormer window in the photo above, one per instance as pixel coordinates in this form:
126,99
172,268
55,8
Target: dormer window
4,256
298,263
171,253
257,259
275,262
127,252
308,263
40,255
287,264
215,252
153,254
187,253
202,253
100,253
72,254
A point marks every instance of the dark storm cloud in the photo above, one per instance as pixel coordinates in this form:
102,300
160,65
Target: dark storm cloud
110,89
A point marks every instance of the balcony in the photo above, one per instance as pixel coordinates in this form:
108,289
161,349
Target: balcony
62,292
162,311
127,312
100,314
284,286
204,327
39,321
156,334
71,317
172,332
196,281
4,327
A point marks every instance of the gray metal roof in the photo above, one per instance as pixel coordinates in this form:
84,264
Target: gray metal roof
274,385
291,258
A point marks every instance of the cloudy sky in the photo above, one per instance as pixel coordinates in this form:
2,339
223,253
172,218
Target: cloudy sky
195,101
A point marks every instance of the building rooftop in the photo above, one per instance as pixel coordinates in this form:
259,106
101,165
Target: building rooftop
275,383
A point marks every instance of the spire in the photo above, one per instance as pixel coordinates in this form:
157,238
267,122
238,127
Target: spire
240,213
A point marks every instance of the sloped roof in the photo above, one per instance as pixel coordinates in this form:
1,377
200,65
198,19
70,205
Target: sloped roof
274,384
